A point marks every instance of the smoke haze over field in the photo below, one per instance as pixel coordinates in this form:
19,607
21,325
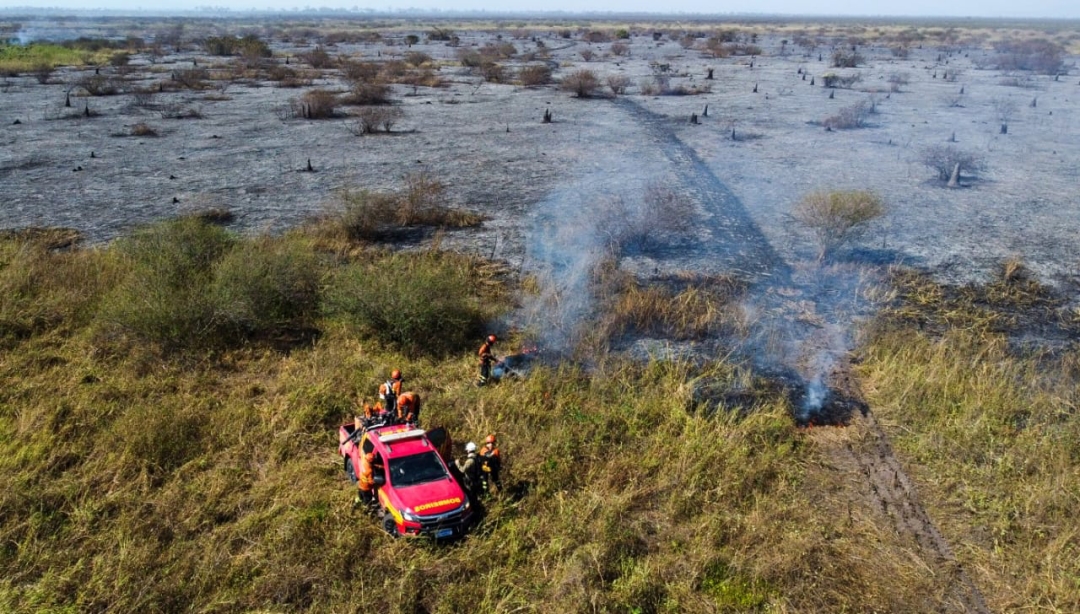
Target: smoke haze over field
1059,9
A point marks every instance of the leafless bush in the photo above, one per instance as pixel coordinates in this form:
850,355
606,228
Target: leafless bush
493,72
716,47
498,51
649,87
661,214
587,54
144,98
43,71
317,58
417,58
899,51
370,119
469,58
596,36
101,85
143,129
316,104
836,218
535,74
191,78
359,72
898,80
175,110
743,49
618,83
1040,56
944,158
845,58
841,81
849,117
1004,109
367,94
582,83
662,86
620,49
285,76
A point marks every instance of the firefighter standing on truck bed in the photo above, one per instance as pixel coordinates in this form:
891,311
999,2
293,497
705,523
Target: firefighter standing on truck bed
486,360
389,392
408,408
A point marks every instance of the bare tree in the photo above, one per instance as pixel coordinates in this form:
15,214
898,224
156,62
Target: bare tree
1004,110
946,159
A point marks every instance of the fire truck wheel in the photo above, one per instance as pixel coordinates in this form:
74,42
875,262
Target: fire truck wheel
389,525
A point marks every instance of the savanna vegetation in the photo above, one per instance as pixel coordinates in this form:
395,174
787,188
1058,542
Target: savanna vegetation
168,425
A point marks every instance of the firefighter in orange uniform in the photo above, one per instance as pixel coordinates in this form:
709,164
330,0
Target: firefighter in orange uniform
365,481
486,360
408,408
490,465
389,391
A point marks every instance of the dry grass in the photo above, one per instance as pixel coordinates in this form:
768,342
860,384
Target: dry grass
1012,303
692,308
991,434
142,129
364,215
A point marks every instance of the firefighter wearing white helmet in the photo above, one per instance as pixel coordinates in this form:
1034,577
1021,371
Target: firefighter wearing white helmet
469,467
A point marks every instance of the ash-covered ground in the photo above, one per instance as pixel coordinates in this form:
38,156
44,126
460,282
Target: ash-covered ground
487,143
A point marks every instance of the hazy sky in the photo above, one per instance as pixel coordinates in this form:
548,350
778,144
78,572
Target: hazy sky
960,8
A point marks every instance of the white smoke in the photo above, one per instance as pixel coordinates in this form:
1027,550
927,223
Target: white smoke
571,234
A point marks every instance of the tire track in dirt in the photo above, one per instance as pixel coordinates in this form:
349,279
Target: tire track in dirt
736,241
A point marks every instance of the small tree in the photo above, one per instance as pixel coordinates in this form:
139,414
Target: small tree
837,218
582,83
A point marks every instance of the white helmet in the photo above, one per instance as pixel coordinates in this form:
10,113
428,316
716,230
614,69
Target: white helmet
470,447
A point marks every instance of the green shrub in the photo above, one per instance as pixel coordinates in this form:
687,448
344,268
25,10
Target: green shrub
165,300
838,217
266,286
420,304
